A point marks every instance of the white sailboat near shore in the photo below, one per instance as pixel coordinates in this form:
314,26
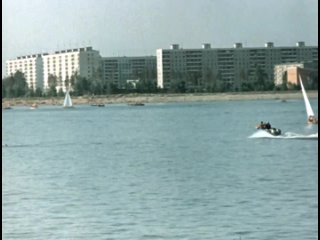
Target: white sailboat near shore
67,101
310,114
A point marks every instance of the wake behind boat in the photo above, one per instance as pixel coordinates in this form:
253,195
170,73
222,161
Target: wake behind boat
287,135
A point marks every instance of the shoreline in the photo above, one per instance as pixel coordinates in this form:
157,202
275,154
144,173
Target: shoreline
159,98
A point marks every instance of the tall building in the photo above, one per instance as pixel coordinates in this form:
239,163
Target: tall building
281,71
62,64
289,74
208,67
65,63
32,68
122,70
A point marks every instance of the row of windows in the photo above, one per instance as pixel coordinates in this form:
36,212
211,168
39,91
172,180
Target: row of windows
60,57
60,65
31,65
60,62
16,65
20,63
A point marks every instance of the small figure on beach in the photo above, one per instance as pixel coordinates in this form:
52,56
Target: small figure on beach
34,106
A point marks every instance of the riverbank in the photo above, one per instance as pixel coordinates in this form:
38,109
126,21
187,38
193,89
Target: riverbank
159,98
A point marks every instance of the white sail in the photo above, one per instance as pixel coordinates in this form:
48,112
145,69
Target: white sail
306,100
67,100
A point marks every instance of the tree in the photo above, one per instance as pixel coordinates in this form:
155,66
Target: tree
15,85
67,83
146,86
217,80
81,86
38,92
178,87
243,78
59,83
246,86
284,85
260,76
314,83
30,92
193,80
52,83
60,92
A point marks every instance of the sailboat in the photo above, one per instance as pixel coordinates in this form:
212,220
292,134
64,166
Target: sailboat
310,114
67,101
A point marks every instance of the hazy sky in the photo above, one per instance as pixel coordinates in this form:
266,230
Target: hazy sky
139,27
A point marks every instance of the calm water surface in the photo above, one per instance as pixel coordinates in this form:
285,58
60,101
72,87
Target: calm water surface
161,171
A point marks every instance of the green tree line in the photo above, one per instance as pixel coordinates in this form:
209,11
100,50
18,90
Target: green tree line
16,85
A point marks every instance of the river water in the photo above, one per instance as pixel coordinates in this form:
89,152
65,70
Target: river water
159,171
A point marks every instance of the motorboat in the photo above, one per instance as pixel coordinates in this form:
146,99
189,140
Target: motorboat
7,108
97,105
136,104
267,127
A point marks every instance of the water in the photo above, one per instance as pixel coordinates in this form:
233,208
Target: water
161,171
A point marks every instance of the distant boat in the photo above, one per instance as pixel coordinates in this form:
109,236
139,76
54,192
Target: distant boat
67,101
310,114
7,108
136,104
267,127
97,105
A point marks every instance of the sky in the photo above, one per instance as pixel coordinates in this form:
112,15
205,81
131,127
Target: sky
139,27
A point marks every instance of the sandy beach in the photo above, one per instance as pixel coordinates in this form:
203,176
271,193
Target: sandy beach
159,98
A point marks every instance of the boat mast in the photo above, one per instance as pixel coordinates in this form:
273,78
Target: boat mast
306,100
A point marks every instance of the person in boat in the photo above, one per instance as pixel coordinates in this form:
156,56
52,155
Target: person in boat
312,119
263,125
260,125
268,125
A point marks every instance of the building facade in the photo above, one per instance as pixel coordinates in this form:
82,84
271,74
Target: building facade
32,68
118,70
201,69
207,67
62,65
289,74
65,63
281,72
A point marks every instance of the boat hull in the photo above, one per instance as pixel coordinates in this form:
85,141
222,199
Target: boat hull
274,131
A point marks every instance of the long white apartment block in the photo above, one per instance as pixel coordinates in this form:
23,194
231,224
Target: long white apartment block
62,64
32,68
65,63
225,66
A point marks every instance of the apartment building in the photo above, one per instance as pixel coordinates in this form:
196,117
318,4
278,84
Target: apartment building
121,70
225,67
62,64
289,73
65,63
32,68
